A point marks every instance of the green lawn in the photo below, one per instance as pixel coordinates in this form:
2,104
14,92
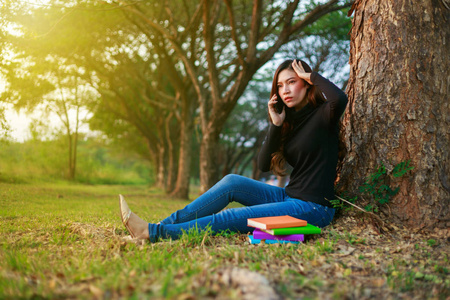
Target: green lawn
66,241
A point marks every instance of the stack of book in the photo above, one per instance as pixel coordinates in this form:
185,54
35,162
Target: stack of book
280,229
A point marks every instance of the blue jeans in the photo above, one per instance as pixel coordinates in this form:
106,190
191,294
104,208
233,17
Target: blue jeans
260,200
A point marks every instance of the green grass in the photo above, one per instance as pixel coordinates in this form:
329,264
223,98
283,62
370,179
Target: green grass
62,240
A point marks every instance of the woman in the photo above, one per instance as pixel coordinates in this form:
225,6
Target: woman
303,131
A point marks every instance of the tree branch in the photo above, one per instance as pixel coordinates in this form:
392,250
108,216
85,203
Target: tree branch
208,35
233,32
361,209
174,45
254,30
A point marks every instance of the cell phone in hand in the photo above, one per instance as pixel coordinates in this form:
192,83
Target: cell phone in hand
279,105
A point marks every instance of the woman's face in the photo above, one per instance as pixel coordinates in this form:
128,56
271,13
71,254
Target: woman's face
292,89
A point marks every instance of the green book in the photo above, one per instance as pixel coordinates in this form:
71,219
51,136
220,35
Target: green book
308,229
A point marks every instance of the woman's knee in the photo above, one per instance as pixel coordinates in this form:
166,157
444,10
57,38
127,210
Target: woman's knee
231,177
232,180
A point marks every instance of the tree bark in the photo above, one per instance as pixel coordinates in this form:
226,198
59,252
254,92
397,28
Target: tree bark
209,170
71,166
171,154
184,161
160,173
398,105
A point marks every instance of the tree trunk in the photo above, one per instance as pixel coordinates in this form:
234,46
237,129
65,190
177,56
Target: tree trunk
71,169
171,154
160,173
184,160
74,156
398,105
209,170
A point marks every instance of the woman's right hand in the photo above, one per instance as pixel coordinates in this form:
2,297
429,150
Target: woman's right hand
277,118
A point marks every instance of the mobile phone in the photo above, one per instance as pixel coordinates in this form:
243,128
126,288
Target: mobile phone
280,104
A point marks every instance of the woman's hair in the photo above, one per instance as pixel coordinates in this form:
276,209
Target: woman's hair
315,98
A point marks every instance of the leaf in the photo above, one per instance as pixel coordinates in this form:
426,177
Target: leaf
401,168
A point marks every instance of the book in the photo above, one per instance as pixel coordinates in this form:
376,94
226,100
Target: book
308,229
275,222
252,240
259,234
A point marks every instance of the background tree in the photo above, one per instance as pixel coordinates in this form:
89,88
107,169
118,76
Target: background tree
7,28
69,101
124,64
398,109
38,79
219,70
55,88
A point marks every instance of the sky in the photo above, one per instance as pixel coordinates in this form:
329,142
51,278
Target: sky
19,123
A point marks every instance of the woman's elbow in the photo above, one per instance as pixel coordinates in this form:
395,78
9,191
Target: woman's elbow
263,166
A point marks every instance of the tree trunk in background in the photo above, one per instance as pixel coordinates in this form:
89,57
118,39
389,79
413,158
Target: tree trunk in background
71,165
399,108
171,154
160,173
209,170
184,160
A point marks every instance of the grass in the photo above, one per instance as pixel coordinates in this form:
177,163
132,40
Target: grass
62,240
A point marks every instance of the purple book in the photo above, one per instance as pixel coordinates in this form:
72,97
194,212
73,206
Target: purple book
261,235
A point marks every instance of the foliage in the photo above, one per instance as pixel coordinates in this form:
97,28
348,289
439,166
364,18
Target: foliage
99,163
4,126
340,205
378,187
402,168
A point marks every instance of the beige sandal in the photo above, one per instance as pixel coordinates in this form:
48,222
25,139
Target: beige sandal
125,213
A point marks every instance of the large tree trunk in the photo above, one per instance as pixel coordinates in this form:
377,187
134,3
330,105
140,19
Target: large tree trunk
399,109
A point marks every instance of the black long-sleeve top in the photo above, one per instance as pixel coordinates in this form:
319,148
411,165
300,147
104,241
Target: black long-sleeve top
312,146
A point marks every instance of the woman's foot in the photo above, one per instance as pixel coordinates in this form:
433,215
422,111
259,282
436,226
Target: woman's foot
137,227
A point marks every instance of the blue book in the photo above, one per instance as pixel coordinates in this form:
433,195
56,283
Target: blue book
257,241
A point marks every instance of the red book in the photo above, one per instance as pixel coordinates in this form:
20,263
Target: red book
275,222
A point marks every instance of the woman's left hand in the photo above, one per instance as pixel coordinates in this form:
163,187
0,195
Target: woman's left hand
300,71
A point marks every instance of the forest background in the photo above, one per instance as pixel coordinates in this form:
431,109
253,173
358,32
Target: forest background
121,87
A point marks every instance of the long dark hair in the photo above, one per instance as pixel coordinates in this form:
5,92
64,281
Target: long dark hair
315,98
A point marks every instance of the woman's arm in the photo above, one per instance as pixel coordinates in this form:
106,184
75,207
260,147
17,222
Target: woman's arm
270,145
336,98
273,137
